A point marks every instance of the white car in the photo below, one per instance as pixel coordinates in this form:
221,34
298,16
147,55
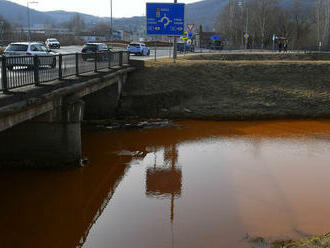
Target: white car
53,43
138,49
22,54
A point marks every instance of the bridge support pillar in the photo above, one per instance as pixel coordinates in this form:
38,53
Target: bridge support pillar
104,103
51,140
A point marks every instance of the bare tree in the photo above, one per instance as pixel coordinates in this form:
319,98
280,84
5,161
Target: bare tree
5,30
322,20
301,25
262,17
76,24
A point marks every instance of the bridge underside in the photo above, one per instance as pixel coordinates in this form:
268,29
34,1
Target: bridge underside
48,134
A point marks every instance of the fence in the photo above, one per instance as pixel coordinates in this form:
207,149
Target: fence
20,71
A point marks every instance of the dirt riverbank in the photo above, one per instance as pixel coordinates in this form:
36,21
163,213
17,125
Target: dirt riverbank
244,87
321,241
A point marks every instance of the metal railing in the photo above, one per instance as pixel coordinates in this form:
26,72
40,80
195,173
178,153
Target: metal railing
20,71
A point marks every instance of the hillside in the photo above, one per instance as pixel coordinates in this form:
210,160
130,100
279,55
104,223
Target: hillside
203,12
16,13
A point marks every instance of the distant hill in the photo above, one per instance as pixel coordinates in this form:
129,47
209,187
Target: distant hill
16,13
203,12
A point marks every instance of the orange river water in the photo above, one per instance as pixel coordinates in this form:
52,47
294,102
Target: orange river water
202,184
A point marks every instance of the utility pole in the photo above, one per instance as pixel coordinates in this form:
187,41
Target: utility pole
29,24
247,23
110,20
2,30
175,43
29,16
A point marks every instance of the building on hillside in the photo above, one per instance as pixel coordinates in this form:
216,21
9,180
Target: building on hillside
93,38
122,35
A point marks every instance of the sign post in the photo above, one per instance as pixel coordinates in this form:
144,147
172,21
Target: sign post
246,36
155,44
166,19
175,45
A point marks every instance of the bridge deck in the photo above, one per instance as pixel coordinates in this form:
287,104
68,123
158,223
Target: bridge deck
25,103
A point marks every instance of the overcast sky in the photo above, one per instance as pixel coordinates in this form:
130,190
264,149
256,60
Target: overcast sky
121,8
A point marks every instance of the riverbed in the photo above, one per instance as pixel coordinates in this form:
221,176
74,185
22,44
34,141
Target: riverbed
193,184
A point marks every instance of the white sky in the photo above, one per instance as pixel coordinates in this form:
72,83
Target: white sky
121,8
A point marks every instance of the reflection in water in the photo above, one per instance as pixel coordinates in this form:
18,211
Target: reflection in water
227,179
57,208
166,180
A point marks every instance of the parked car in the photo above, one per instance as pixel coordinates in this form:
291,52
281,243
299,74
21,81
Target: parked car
22,53
89,50
138,49
53,43
183,47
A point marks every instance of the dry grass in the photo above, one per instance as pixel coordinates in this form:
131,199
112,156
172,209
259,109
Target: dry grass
322,241
239,89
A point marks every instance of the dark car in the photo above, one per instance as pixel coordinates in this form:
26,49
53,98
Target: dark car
89,50
182,47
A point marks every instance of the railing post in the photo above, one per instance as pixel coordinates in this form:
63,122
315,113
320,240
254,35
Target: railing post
77,64
95,67
4,80
109,59
121,58
60,61
36,70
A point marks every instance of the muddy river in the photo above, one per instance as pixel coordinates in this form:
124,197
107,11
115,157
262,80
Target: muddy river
201,184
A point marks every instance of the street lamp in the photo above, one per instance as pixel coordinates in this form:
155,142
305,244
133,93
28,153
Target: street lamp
2,30
28,16
241,4
110,19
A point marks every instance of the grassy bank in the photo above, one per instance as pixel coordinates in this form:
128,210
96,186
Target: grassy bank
207,87
263,56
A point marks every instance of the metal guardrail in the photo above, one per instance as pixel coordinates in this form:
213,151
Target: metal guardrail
20,71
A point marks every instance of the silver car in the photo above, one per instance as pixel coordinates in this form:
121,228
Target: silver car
53,43
22,55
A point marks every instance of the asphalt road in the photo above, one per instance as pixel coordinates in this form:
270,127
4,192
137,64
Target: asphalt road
161,52
23,76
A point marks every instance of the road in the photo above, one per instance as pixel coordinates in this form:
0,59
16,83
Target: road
161,52
23,76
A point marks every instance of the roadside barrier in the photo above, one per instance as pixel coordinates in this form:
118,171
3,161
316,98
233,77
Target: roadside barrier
20,71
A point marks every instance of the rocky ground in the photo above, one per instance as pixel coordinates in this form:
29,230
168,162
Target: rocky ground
241,88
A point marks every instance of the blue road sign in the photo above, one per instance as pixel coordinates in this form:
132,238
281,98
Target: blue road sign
214,38
190,35
228,39
274,37
165,19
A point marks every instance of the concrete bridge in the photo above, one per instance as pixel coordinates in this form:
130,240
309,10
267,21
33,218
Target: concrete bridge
41,126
